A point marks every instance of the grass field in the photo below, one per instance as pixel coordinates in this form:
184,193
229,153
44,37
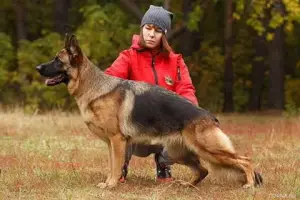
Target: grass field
54,156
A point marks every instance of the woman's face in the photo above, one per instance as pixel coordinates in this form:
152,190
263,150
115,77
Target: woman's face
152,36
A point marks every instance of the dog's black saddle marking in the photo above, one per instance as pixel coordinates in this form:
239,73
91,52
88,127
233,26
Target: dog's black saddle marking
163,111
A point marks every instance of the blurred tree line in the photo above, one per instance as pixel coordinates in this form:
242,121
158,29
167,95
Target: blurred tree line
243,55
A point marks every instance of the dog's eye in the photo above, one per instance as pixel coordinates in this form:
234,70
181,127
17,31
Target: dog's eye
57,60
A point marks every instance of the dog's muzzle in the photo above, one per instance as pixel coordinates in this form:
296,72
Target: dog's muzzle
39,68
52,80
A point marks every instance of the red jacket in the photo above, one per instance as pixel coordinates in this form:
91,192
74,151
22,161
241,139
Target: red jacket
169,72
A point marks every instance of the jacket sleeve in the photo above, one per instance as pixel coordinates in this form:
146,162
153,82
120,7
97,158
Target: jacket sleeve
184,85
121,66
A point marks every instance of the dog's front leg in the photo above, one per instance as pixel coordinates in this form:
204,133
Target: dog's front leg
118,147
109,163
104,185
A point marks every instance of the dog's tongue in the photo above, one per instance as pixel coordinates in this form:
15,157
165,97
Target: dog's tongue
50,81
54,80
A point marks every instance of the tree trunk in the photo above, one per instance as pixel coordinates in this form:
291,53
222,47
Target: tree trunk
20,11
61,15
258,72
228,71
276,84
133,8
167,4
186,39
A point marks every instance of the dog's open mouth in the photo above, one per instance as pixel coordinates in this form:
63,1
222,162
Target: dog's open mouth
55,80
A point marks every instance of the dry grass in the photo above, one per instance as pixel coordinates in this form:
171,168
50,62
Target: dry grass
54,156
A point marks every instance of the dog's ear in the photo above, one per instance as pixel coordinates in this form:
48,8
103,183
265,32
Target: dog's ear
67,39
74,50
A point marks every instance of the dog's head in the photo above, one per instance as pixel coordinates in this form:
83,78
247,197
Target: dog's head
65,64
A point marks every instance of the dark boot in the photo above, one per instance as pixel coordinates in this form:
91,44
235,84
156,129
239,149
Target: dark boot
163,171
124,173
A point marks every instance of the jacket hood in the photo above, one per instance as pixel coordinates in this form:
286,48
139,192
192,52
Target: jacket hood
135,42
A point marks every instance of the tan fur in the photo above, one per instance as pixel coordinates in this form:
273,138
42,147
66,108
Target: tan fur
107,113
99,107
108,116
212,145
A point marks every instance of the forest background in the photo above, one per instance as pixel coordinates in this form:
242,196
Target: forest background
243,55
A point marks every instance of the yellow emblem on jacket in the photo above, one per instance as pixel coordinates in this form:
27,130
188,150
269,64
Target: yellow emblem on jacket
169,80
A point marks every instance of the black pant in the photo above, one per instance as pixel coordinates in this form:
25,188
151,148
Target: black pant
144,150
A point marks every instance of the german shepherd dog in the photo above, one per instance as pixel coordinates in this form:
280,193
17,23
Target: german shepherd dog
122,111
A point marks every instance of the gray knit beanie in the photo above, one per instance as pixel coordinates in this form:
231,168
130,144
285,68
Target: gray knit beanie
158,16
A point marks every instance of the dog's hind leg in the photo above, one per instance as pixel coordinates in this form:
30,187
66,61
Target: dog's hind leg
178,153
199,172
211,144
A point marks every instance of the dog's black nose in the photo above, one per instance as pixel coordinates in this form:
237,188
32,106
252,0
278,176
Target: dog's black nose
38,68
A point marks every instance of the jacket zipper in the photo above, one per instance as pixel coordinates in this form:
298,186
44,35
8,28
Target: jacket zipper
178,73
154,70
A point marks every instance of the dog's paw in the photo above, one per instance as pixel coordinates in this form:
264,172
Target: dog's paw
102,185
248,186
112,184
